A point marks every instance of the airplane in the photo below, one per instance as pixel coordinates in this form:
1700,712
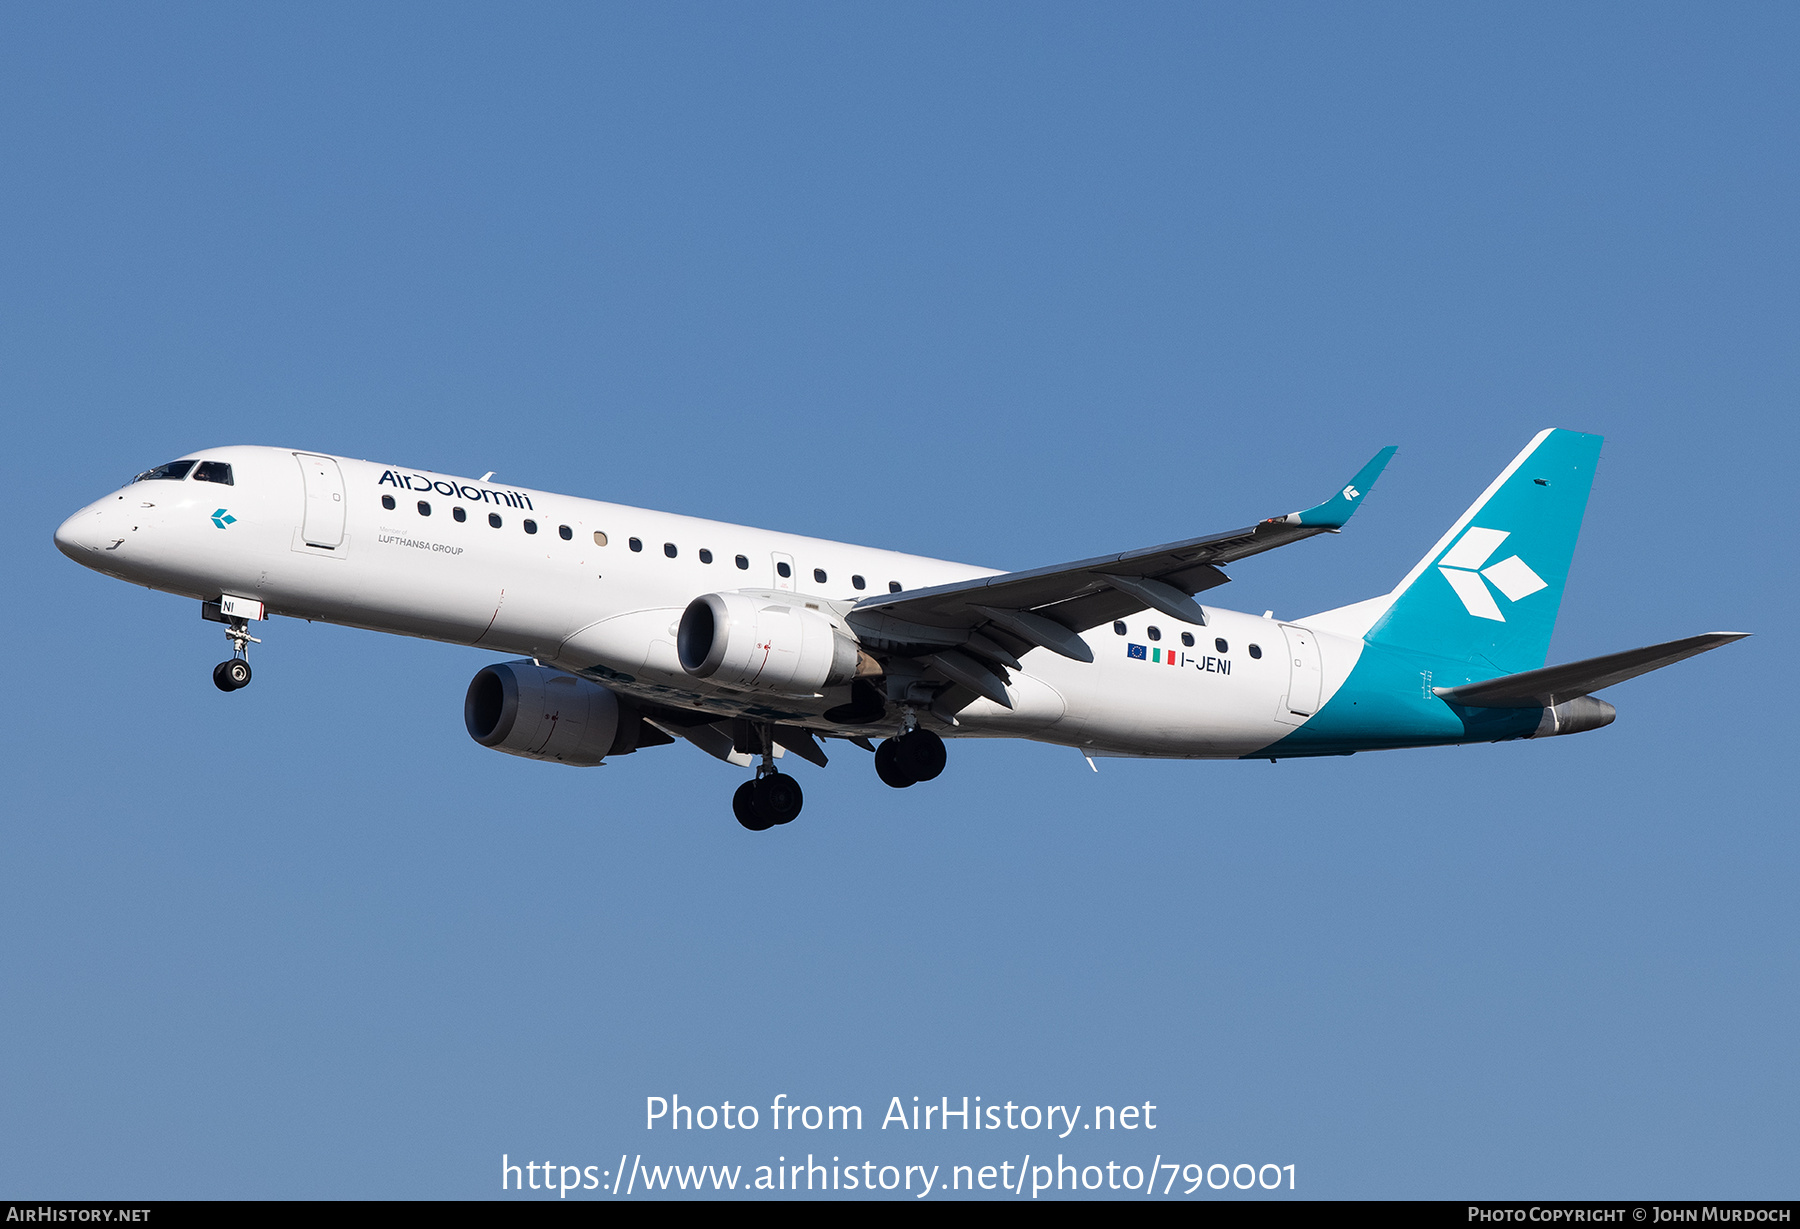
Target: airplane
631,629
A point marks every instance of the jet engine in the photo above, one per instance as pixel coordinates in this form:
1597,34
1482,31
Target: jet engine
522,708
737,640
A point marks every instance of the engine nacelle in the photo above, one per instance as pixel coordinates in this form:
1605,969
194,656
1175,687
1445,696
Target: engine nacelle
526,709
740,641
1574,716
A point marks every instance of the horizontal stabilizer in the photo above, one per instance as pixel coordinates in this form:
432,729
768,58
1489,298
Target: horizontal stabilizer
1552,685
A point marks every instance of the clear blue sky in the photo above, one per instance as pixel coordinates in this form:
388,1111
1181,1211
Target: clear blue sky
1010,284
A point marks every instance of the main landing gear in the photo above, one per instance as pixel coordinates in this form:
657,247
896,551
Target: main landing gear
772,797
917,755
233,674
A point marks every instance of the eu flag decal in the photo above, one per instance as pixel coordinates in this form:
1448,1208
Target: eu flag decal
1137,652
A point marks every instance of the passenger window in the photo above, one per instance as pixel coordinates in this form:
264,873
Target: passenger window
424,508
494,519
599,538
387,501
564,532
705,555
1118,629
857,582
743,563
893,586
635,543
1256,651
669,549
458,515
1155,633
174,471
213,471
1187,638
818,576
530,526
1221,646
783,570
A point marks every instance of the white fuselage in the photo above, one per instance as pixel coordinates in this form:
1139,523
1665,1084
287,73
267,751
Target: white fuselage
309,536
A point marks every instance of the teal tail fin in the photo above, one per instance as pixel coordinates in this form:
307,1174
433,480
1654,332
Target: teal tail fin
1488,592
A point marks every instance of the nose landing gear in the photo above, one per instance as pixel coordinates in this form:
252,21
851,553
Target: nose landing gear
235,673
772,797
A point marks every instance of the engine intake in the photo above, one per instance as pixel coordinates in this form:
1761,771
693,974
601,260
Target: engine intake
737,640
526,709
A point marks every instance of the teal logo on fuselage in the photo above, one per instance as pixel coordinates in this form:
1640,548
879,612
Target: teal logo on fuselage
222,518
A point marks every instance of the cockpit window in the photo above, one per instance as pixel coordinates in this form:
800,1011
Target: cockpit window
213,471
174,470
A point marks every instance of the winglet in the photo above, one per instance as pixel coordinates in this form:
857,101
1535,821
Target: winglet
1335,511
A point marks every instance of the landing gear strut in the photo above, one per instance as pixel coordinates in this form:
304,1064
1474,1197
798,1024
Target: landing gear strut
772,797
906,759
233,674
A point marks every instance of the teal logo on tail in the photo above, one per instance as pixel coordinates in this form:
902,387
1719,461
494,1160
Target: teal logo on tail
1486,596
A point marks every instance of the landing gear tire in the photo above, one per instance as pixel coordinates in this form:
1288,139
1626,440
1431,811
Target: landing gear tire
774,798
743,805
777,798
922,755
890,766
231,675
770,797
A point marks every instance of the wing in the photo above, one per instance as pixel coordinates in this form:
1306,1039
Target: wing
966,629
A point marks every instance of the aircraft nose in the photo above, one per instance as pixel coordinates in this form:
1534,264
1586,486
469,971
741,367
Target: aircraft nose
79,534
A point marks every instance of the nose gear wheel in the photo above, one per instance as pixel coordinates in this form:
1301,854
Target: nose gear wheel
231,675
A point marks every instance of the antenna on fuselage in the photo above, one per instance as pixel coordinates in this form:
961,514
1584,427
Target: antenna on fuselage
485,476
